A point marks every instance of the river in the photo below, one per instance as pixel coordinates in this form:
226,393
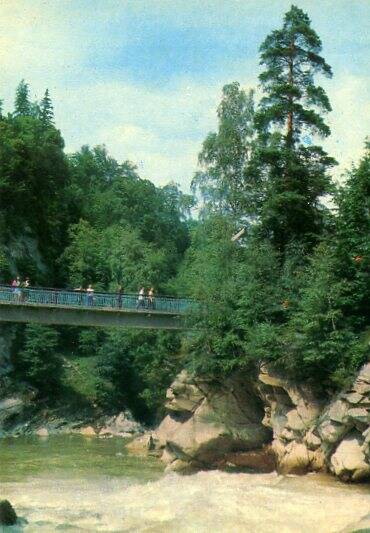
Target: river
78,484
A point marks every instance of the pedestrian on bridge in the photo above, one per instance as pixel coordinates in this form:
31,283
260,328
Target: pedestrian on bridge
141,298
16,283
90,295
119,296
79,290
151,298
24,289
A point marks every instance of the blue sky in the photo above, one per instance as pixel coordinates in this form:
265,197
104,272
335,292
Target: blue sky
144,77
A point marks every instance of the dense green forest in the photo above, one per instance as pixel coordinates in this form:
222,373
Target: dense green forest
68,221
292,289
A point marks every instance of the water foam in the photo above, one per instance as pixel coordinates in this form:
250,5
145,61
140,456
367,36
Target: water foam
207,501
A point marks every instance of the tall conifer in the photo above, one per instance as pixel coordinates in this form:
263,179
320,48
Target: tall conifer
46,110
296,176
291,56
22,104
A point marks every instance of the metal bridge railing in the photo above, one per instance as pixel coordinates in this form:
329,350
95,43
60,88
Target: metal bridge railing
98,300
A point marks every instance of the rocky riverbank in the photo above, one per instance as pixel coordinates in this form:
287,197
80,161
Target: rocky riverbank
265,424
21,416
23,413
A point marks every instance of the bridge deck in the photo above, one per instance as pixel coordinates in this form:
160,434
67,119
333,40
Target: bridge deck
52,306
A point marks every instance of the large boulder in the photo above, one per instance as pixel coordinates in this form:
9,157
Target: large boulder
344,428
295,459
207,420
42,432
9,408
87,431
348,462
8,516
121,425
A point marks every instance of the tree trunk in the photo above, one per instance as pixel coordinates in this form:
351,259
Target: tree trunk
289,134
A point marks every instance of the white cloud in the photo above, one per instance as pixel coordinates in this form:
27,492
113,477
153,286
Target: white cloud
160,130
37,41
349,121
163,158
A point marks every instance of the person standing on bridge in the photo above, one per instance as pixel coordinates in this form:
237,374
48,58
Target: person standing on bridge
141,298
16,288
14,285
24,289
119,296
151,298
79,290
90,295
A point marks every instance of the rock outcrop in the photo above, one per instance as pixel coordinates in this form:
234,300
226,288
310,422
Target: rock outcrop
290,411
87,431
265,423
344,431
9,408
42,432
121,425
207,420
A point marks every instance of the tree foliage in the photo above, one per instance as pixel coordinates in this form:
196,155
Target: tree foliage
291,57
225,180
46,110
294,169
34,177
22,104
38,361
293,288
135,369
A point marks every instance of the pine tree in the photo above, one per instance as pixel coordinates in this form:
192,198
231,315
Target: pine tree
295,174
22,105
291,56
46,110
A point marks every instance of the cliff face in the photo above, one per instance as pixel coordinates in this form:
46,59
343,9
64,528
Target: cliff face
309,435
266,423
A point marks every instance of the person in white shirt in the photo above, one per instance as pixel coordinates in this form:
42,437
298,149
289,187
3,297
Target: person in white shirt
141,300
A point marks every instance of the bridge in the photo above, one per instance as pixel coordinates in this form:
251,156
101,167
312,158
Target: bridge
79,308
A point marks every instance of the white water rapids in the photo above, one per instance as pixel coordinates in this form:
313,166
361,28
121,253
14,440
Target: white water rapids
202,503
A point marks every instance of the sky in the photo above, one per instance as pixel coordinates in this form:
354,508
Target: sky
144,77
